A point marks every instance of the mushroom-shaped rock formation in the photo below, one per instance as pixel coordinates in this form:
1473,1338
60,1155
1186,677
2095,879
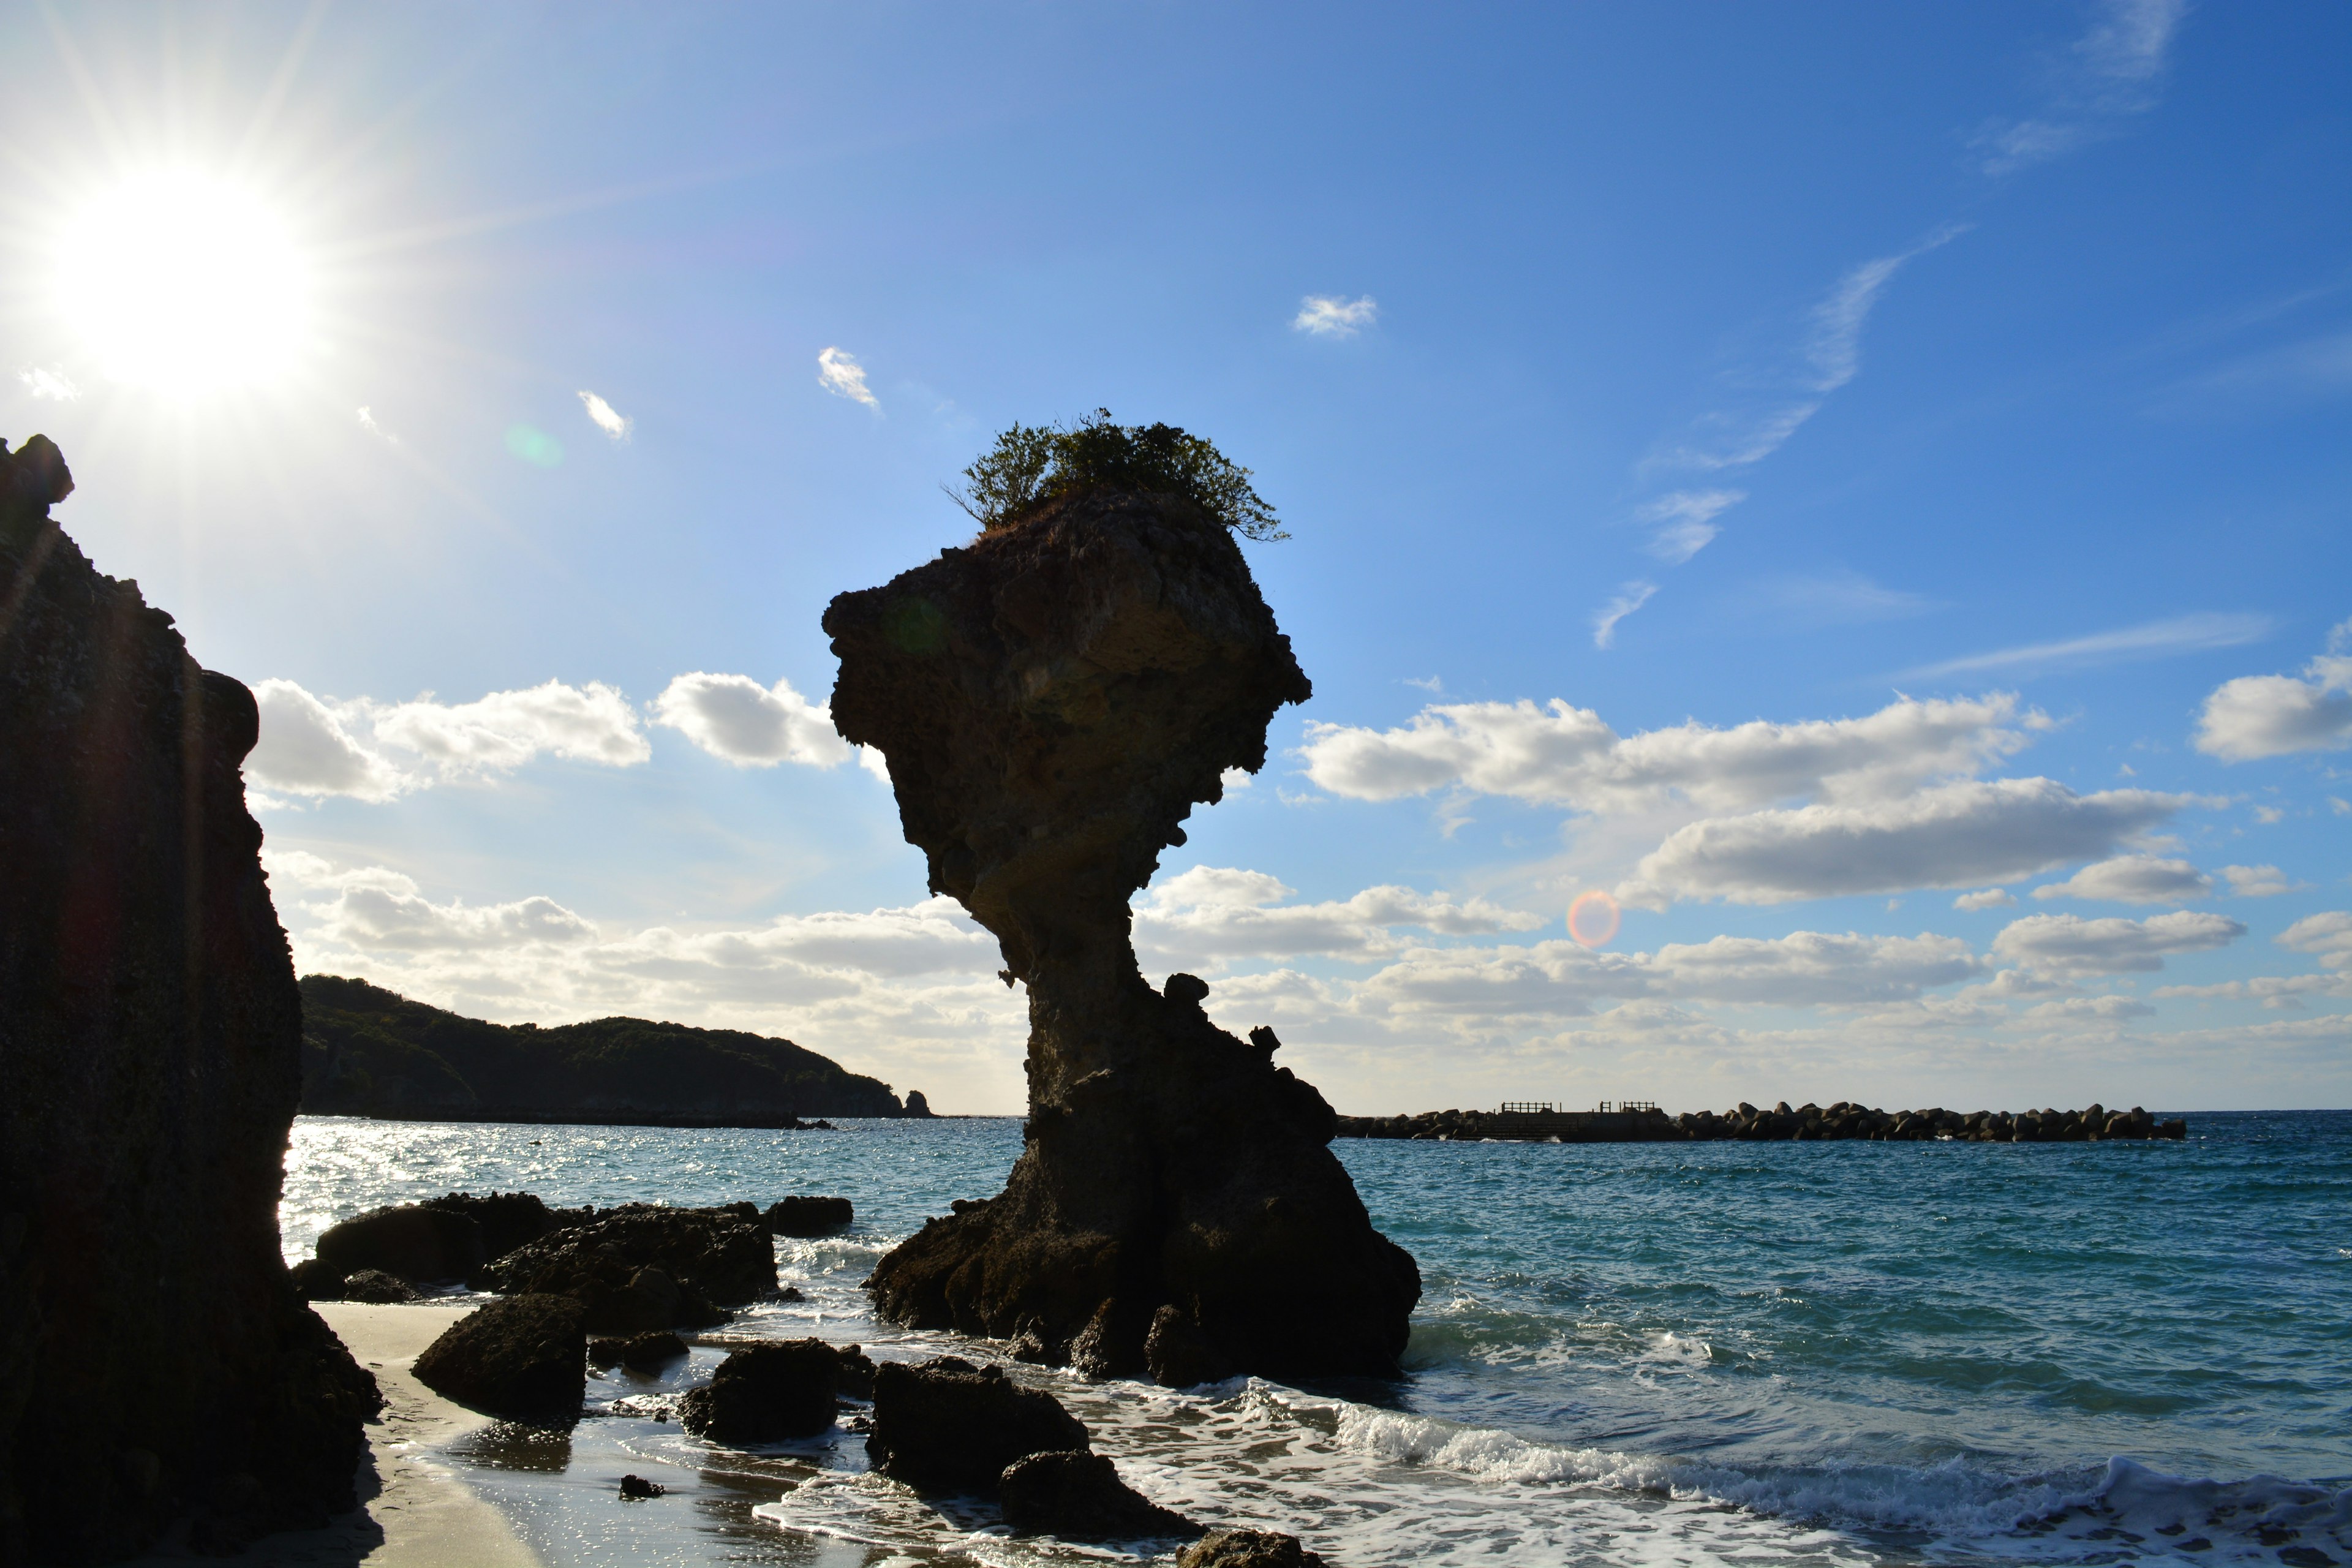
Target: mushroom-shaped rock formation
1052,700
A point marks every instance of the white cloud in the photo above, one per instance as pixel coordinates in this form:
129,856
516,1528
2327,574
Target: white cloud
1686,521
2113,72
1630,598
2069,944
312,747
1211,913
1810,968
2154,639
1559,755
2339,805
369,423
2103,1009
2326,936
1990,899
1332,316
377,908
505,730
737,720
2275,992
2258,881
2272,715
1950,836
2133,879
602,415
307,747
48,384
1836,598
838,371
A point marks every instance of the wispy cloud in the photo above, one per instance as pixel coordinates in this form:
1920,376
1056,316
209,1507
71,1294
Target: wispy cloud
2111,72
2154,639
1332,316
1630,598
1685,521
1838,598
838,371
369,423
603,416
49,385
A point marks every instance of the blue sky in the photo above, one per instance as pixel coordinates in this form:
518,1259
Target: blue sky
1865,486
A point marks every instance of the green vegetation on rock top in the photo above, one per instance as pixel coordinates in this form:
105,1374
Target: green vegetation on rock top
1032,465
367,1051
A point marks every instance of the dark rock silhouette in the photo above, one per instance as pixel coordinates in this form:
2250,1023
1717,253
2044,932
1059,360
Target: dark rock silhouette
1053,699
649,1353
809,1216
421,1246
949,1426
523,1358
640,1267
1080,1497
765,1393
155,1360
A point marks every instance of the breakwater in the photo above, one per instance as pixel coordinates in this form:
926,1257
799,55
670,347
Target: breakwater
1648,1124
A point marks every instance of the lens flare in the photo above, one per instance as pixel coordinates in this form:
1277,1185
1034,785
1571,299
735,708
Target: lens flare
183,284
1592,918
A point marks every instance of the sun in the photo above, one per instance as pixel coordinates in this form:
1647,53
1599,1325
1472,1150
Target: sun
184,284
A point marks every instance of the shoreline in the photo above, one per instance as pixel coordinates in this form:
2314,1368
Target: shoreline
416,1511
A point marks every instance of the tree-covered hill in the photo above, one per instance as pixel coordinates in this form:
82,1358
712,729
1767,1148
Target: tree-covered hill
369,1052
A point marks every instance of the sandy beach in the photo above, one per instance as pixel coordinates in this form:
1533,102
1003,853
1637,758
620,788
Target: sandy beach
414,1511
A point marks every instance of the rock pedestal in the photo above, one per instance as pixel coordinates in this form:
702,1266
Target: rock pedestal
1053,700
155,1358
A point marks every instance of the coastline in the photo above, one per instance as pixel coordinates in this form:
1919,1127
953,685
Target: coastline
414,1511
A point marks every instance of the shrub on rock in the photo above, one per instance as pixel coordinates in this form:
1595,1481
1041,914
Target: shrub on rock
765,1393
1079,1497
948,1425
1247,1549
810,1215
521,1359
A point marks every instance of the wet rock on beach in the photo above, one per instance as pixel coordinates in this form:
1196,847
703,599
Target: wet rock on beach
950,1426
1080,1497
521,1359
766,1394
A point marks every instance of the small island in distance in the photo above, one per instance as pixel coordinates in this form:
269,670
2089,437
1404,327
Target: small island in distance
367,1051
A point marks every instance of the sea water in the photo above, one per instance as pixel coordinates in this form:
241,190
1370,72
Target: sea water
1817,1352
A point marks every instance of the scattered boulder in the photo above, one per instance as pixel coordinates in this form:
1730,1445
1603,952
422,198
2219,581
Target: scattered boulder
1079,1497
506,1220
374,1286
1053,699
1177,1354
646,1353
950,1426
1247,1549
641,1266
765,1393
637,1488
422,1246
521,1359
853,1372
806,1216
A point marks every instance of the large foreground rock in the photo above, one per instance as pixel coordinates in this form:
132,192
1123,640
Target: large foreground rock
1079,1497
766,1394
641,1267
522,1359
949,1426
1053,700
155,1358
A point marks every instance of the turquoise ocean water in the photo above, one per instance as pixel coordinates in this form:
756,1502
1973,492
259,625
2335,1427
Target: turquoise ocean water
1756,1352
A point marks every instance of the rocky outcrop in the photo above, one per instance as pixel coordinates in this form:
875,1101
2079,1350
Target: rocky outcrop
155,1358
641,1266
949,1426
1053,701
1782,1122
1079,1497
1247,1549
766,1394
806,1216
421,1246
649,1353
521,1358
